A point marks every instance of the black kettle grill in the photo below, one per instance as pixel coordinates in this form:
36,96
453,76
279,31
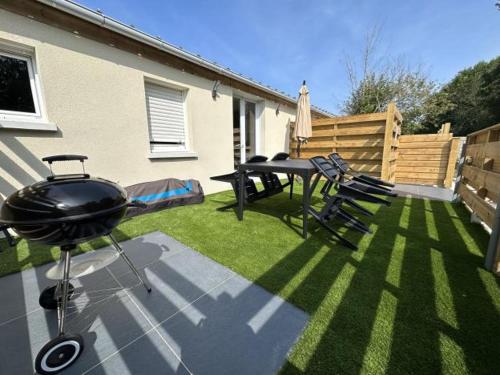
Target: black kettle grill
65,210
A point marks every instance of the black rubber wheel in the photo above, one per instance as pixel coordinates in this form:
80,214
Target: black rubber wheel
58,354
47,299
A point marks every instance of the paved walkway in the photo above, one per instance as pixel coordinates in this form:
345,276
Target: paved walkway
424,191
201,317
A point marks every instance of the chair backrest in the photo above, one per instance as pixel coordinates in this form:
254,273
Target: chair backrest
339,162
257,159
281,156
326,168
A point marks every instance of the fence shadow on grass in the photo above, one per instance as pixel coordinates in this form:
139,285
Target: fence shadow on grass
475,325
415,342
413,302
339,345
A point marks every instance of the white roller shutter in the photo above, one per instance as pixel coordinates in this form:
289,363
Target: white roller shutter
167,129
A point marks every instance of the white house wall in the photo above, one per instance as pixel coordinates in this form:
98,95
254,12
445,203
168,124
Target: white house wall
94,93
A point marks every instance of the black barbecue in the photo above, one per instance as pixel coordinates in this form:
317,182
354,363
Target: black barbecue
66,210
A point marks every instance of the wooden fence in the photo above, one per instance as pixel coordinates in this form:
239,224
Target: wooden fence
427,159
368,142
479,186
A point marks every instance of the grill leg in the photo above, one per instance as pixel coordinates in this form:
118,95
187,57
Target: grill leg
129,262
64,290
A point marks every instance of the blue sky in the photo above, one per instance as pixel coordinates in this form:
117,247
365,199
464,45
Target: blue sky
281,42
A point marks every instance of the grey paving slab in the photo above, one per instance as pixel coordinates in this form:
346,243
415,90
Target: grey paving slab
22,290
146,250
106,329
100,308
176,281
424,191
237,328
149,354
201,317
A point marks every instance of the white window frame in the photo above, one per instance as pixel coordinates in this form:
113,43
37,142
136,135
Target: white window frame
5,114
175,151
25,120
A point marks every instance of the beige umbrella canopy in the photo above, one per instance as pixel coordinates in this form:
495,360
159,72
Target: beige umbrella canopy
303,128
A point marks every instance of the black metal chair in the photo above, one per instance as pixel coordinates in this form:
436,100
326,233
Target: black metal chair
345,169
356,180
271,182
251,192
329,169
347,192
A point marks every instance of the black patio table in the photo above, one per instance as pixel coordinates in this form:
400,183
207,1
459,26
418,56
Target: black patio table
302,168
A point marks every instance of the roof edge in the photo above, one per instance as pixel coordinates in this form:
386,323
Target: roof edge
98,18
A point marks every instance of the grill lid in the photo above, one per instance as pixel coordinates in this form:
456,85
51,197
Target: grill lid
62,199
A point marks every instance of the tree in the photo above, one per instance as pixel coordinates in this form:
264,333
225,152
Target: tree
384,80
471,98
490,90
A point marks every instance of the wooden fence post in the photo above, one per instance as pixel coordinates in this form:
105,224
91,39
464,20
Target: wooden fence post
445,128
386,153
452,162
492,260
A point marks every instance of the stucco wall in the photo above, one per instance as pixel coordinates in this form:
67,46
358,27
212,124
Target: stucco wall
276,128
94,93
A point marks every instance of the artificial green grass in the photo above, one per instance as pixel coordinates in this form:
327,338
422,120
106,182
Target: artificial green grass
413,299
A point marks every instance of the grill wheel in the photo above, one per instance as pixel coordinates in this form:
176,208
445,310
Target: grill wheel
58,354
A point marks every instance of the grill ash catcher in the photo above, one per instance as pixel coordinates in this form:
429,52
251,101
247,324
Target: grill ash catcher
66,210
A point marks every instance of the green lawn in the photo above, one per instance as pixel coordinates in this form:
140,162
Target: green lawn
413,299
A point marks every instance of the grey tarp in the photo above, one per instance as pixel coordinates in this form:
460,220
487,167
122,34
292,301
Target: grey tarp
166,193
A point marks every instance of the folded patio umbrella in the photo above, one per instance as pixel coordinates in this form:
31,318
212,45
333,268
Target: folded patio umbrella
303,128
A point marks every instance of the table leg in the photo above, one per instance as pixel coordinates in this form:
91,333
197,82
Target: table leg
241,198
306,202
291,185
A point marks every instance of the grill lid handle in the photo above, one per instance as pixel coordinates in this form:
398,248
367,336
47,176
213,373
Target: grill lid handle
51,159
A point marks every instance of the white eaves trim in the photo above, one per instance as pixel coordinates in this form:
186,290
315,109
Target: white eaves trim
109,23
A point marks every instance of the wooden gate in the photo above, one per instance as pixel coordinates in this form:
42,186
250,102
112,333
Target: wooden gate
427,159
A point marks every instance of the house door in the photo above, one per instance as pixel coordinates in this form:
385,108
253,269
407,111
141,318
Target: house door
245,125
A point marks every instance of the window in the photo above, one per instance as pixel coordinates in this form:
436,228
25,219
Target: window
166,118
19,97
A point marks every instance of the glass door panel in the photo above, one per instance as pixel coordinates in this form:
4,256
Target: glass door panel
244,130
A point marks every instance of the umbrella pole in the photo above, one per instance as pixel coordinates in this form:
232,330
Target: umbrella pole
298,149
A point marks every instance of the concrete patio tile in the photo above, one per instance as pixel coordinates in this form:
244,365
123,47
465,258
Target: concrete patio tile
237,328
146,250
200,316
423,191
22,290
107,328
99,315
176,281
148,355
